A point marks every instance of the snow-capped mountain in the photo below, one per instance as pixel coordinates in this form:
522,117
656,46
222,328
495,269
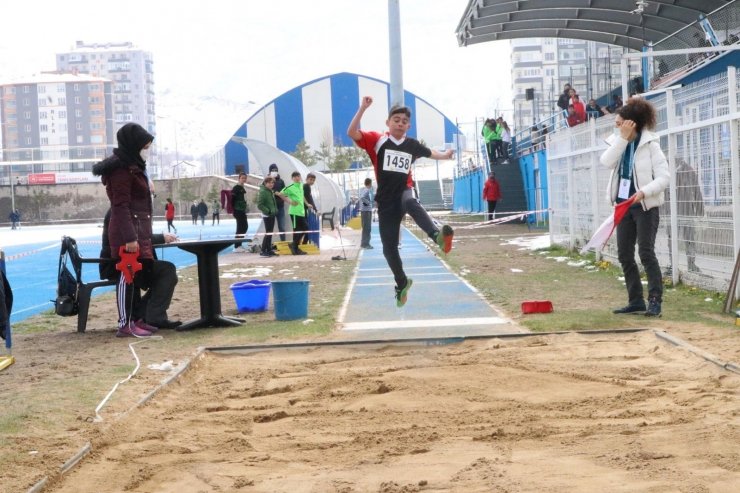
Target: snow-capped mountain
197,125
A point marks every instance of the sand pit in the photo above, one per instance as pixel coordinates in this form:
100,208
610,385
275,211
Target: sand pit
575,413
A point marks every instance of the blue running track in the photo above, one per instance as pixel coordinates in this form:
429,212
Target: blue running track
440,304
32,267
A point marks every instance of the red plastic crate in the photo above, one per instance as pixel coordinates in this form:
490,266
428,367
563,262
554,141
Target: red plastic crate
542,306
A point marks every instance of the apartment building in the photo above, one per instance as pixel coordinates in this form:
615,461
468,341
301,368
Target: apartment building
55,122
545,65
129,68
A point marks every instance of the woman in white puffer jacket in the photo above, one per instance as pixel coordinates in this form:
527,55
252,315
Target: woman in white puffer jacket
640,175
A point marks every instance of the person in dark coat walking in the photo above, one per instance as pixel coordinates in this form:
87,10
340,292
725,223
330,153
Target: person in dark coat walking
15,219
202,212
278,187
194,212
216,208
239,202
308,196
128,188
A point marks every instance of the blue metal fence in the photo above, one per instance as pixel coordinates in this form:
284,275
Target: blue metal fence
468,195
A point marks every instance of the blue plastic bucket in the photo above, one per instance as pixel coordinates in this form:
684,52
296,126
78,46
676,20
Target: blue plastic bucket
291,299
251,296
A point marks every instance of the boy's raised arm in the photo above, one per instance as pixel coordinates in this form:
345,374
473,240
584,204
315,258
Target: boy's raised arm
354,126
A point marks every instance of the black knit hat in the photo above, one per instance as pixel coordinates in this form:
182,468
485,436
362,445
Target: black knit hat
273,167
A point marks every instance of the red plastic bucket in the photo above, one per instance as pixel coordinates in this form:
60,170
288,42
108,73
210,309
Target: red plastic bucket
542,306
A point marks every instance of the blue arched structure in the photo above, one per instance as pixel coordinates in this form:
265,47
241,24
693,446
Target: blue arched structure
320,111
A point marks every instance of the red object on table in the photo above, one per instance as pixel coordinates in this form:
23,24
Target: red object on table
129,264
543,306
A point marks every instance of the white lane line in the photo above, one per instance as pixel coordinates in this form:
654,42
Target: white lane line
407,269
445,273
439,322
366,284
348,295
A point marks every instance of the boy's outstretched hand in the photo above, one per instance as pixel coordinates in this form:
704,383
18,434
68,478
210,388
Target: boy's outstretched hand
448,154
366,102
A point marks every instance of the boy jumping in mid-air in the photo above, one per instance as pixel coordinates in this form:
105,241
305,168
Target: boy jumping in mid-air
392,155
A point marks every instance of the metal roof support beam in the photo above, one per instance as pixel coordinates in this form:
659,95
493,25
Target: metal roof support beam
597,18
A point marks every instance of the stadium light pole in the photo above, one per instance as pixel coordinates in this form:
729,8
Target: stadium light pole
394,46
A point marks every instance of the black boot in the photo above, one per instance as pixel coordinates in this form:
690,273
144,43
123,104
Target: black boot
633,307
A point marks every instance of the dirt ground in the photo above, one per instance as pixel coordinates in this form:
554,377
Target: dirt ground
583,412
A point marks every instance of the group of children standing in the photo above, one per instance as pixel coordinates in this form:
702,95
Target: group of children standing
273,194
497,136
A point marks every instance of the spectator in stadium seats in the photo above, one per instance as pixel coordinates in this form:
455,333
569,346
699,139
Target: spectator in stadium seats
578,105
505,141
593,110
616,103
498,142
573,117
543,136
489,133
564,99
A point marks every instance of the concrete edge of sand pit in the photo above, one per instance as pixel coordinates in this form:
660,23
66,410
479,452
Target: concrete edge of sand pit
677,341
425,341
439,341
87,448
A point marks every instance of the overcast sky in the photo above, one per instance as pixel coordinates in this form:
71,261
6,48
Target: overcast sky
254,50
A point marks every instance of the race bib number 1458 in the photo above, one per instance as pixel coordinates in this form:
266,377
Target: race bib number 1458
399,162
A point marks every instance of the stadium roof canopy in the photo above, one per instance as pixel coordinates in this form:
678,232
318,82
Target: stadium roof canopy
617,22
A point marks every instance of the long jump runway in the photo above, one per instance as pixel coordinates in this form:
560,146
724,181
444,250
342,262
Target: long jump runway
440,304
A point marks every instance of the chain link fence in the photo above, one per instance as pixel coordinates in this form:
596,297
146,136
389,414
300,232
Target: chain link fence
725,23
700,221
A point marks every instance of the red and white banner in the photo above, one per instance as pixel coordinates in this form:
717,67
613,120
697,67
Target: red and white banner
58,178
42,179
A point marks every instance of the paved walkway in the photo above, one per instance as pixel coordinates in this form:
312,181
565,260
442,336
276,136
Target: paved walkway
440,304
